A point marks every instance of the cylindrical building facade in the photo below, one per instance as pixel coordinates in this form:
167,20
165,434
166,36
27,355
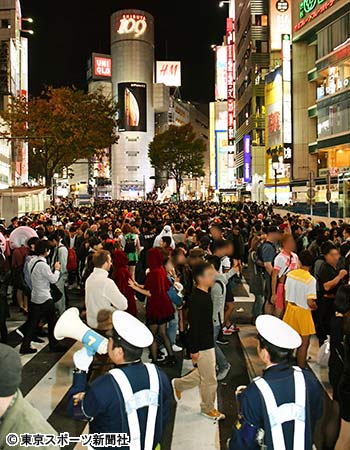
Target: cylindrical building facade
132,50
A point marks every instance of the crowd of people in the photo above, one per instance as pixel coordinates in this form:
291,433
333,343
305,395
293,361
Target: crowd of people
175,267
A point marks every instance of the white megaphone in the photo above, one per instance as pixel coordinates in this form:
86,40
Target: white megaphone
69,325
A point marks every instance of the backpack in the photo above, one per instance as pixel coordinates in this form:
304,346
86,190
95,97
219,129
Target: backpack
221,284
344,261
130,246
259,260
72,260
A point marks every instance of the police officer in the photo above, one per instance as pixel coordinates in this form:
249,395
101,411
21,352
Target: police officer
278,411
134,398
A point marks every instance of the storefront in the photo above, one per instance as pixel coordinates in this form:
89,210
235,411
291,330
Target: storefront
321,93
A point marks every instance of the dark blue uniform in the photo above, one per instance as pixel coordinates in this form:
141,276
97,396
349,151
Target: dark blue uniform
104,405
254,415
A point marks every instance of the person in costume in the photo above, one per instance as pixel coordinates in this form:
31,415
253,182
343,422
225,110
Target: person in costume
159,309
121,277
133,398
166,231
301,299
279,410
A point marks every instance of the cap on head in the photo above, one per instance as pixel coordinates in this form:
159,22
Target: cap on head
277,332
10,371
131,329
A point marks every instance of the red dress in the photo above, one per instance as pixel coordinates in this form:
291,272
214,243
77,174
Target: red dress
121,277
159,308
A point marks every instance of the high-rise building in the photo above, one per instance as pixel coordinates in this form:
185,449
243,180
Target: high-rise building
242,167
252,65
181,113
13,82
132,50
321,96
278,105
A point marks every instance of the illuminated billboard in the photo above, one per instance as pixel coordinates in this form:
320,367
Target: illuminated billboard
274,108
230,70
310,10
277,117
169,73
247,159
224,161
132,24
102,66
221,73
99,67
280,21
132,102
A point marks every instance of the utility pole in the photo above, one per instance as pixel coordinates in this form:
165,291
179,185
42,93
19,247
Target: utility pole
329,193
311,192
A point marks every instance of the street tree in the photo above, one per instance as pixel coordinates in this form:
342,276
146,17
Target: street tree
179,152
61,126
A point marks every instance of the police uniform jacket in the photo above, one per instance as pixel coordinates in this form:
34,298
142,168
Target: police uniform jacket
104,405
253,413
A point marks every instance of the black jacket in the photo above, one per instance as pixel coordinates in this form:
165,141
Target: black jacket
200,316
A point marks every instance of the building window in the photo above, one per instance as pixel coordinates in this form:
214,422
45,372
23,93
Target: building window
333,35
333,118
264,21
5,23
264,47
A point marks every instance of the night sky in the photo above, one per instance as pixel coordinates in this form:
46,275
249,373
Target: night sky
67,31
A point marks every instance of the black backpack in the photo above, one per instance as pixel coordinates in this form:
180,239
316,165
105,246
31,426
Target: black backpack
259,261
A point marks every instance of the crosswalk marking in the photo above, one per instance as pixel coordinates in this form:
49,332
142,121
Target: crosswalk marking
50,390
26,358
189,429
249,298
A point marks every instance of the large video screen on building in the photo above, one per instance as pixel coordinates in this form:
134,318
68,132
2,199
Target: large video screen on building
132,102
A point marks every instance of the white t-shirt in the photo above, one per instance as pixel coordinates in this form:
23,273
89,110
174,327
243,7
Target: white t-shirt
300,287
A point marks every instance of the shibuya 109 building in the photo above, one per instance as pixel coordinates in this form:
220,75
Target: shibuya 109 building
132,52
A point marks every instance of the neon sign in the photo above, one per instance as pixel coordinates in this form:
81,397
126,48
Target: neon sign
308,6
247,162
132,24
230,83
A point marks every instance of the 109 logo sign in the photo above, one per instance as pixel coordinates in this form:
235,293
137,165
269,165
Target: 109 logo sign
132,24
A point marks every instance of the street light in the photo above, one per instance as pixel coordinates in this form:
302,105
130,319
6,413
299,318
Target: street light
221,4
275,166
54,185
29,20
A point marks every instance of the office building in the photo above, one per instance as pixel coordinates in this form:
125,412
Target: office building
132,51
180,113
252,64
321,95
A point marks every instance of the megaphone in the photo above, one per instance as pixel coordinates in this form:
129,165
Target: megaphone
69,325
